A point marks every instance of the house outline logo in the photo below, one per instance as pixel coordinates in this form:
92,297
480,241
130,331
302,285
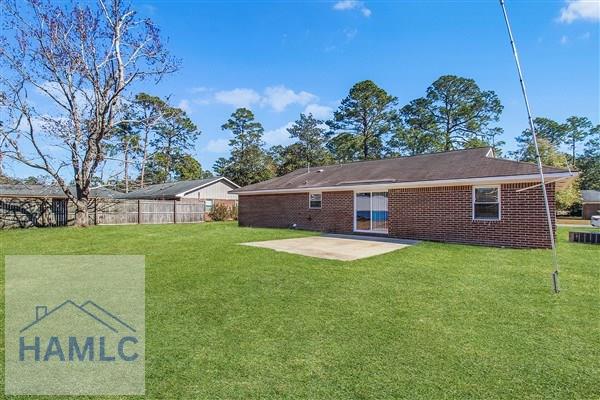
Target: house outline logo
110,320
76,347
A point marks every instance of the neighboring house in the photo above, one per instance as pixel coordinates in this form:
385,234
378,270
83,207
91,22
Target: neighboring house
25,206
464,196
591,203
211,191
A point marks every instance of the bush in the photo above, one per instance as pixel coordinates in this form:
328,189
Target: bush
220,212
569,198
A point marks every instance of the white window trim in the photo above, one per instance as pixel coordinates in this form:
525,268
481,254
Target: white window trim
499,202
385,232
311,194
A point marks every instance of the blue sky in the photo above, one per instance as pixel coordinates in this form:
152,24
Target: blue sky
281,58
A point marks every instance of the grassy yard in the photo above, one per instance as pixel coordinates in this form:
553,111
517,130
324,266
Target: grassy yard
431,321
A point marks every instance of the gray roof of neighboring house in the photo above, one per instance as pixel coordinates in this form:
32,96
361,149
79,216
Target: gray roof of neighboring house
451,165
590,196
51,191
171,190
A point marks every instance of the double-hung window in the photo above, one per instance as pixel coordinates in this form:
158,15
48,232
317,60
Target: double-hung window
486,203
314,200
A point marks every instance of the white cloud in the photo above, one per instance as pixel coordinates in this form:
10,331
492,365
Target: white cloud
199,89
318,111
350,33
217,146
564,39
279,136
239,97
184,104
280,97
345,5
580,9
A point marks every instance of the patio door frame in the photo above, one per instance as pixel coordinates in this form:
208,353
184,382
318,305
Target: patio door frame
383,232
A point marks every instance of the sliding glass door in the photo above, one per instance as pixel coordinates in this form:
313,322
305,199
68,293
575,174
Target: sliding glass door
371,213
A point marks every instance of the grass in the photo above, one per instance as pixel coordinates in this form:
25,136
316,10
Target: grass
431,321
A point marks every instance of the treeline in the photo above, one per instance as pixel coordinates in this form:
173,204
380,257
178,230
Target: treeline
369,124
155,143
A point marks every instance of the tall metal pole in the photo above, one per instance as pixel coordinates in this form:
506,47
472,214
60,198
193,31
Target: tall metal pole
555,284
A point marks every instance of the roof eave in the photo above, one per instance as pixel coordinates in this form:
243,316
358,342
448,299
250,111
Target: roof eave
563,176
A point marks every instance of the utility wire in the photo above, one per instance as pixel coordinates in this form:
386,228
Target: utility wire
555,284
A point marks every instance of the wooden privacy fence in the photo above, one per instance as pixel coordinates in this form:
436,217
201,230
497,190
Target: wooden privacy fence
42,212
117,212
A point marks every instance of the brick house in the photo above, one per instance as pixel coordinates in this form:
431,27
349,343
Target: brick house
590,203
462,196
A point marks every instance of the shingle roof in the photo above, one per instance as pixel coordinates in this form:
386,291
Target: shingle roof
51,191
170,190
590,196
451,165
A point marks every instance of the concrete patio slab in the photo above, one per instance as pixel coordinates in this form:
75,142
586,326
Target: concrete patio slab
335,247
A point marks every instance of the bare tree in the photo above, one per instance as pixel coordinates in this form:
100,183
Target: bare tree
68,70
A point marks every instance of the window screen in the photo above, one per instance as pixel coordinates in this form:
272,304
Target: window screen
486,203
314,200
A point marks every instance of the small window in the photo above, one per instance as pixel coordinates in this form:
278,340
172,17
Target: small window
314,200
486,203
208,205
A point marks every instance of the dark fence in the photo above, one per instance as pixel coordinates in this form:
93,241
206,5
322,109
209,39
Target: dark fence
585,237
26,213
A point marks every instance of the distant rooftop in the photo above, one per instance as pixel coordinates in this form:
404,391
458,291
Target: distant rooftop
590,196
51,191
171,190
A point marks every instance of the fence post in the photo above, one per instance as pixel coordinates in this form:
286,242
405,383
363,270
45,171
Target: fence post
174,211
96,211
139,212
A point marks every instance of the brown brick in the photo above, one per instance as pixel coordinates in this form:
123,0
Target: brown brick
437,213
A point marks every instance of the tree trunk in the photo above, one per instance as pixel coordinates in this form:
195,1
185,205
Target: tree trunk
145,157
126,161
81,213
168,161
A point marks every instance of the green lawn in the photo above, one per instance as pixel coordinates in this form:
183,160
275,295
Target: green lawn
431,321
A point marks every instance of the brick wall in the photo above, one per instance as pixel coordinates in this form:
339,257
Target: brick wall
590,209
283,210
445,214
438,214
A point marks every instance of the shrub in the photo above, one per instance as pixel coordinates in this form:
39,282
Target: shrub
234,212
220,212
